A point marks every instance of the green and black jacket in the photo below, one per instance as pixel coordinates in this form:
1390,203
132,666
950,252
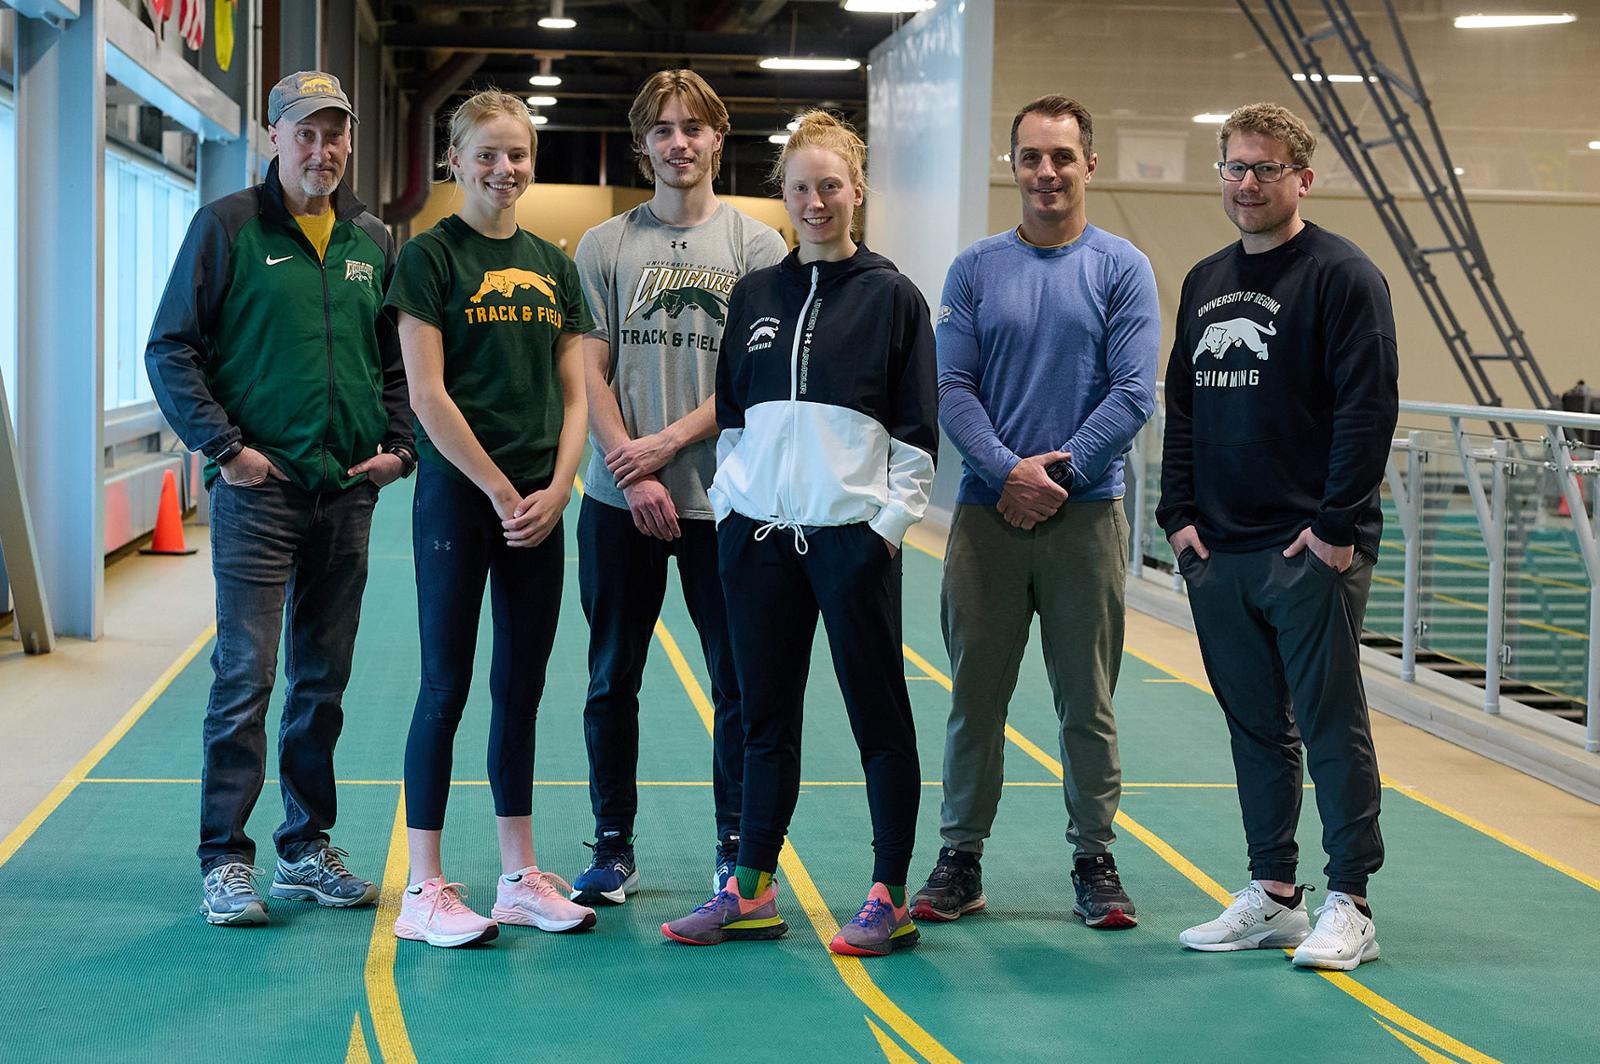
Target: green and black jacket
257,342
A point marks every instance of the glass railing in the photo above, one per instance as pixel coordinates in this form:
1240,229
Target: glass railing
1488,569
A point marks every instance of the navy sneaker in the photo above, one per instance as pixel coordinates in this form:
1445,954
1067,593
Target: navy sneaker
1101,901
727,861
612,874
954,888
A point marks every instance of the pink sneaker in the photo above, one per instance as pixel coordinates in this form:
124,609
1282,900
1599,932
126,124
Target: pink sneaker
434,912
539,899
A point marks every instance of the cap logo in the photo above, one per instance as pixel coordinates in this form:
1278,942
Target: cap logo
317,83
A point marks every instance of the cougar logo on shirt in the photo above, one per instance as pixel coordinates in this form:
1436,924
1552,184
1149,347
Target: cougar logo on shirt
676,300
1222,336
508,281
762,332
676,289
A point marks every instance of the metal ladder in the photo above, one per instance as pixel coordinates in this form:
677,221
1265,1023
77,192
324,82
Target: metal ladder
1397,96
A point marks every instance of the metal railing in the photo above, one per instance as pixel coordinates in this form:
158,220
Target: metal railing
1489,568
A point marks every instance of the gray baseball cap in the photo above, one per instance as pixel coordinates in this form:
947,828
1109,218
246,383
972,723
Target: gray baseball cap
304,93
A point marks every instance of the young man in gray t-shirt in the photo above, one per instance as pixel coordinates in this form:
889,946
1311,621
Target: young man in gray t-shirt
657,280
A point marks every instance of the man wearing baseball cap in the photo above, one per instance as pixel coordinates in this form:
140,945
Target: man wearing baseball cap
271,354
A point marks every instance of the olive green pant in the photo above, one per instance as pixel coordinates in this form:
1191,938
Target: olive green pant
1069,571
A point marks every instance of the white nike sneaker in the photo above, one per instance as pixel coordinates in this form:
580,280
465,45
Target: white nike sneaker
1343,938
1253,921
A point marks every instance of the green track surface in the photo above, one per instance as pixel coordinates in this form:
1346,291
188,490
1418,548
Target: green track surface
107,958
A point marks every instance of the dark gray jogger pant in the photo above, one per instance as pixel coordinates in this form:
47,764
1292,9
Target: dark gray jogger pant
1281,642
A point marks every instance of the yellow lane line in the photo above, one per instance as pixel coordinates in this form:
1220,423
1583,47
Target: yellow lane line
1417,796
41,812
891,1049
1499,836
1484,567
1193,874
851,970
1427,1053
1539,547
383,999
1454,601
356,1051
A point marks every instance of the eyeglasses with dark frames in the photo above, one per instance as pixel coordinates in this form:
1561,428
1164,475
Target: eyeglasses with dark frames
1266,173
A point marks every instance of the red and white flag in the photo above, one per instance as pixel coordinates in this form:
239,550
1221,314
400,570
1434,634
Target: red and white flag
192,23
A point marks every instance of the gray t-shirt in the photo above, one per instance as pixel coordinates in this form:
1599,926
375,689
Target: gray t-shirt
659,296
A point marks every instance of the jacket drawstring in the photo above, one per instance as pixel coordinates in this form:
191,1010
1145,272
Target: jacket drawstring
800,544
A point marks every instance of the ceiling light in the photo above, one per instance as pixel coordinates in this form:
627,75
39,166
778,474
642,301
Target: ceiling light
539,120
1594,145
1460,172
887,7
794,124
790,62
778,138
541,101
1497,22
558,23
1209,119
1338,79
545,81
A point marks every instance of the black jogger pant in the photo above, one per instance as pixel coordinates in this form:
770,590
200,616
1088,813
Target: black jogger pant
1281,642
775,594
622,578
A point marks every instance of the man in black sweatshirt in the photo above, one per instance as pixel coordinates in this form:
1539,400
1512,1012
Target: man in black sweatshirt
1281,399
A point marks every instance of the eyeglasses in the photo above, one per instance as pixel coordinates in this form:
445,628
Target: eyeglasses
1266,173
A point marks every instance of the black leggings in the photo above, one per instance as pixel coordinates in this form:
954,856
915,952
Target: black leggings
457,541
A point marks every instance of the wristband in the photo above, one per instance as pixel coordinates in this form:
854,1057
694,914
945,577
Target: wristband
408,460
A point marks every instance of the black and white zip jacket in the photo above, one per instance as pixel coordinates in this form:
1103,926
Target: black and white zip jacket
826,398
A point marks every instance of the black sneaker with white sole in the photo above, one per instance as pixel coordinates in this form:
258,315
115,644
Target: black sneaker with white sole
954,888
1100,900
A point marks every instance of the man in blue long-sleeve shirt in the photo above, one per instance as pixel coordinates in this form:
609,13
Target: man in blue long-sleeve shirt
1047,338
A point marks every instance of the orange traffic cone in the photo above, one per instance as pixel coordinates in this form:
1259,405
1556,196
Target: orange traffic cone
169,521
1564,510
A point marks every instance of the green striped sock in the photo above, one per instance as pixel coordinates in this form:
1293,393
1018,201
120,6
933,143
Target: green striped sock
753,882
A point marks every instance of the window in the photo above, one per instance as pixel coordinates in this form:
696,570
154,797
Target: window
8,252
147,212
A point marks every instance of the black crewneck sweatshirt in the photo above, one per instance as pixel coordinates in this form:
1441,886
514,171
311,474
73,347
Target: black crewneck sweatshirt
1282,396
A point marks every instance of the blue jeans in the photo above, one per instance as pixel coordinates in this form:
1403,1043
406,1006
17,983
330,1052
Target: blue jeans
273,546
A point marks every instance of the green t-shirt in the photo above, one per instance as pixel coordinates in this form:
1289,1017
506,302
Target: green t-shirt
500,306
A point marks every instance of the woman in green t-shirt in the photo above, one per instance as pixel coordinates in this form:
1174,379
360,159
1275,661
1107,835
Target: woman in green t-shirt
490,322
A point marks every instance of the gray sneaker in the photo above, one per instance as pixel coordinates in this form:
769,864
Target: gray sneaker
231,896
321,876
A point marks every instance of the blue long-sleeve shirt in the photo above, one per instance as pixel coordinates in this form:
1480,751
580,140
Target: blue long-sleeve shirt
1047,349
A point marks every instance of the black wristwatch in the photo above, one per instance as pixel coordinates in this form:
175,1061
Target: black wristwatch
229,453
1061,472
408,458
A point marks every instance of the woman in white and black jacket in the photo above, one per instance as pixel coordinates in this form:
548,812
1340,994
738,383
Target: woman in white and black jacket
826,399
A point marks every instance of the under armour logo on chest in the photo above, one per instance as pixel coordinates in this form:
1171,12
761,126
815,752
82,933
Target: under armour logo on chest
678,244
